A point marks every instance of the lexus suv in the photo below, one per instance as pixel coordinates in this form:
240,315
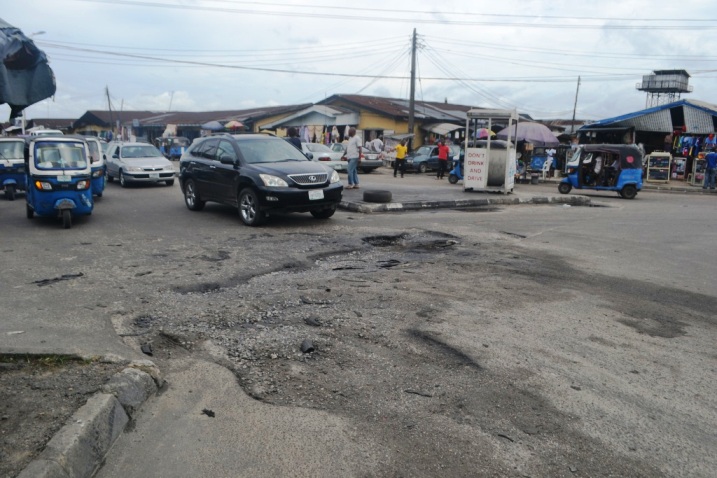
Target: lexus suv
257,174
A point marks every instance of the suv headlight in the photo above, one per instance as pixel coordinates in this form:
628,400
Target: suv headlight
273,181
334,177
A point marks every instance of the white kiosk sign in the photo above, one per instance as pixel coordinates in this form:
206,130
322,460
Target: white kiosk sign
489,165
476,168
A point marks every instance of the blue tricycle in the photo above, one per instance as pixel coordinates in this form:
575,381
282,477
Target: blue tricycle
58,178
605,167
12,166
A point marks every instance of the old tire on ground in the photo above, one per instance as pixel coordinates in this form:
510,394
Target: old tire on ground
323,213
452,178
249,211
377,195
629,191
564,188
66,218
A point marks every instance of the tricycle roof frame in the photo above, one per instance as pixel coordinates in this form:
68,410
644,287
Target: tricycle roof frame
497,114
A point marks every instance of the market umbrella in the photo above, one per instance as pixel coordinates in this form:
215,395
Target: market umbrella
484,133
25,76
536,133
213,126
234,124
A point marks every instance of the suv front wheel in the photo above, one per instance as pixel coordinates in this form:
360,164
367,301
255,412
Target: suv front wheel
249,210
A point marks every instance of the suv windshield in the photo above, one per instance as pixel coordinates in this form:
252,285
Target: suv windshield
268,150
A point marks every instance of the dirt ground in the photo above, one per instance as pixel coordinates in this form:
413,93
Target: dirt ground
37,396
426,343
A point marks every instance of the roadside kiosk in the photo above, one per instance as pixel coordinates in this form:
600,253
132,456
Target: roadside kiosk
657,167
485,168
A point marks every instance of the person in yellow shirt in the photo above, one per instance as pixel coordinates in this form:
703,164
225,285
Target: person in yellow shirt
400,162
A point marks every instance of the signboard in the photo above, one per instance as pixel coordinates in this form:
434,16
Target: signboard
475,172
510,177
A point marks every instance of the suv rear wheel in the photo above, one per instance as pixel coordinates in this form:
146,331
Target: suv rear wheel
249,210
191,197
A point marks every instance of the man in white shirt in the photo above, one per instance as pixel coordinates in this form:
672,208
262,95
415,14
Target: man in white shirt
353,154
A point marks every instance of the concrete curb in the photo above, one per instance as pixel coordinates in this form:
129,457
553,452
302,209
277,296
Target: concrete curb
363,207
81,445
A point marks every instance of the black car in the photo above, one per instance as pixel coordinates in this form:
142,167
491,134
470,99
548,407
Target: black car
257,173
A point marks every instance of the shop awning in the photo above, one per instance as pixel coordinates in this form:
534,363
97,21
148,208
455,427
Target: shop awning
441,128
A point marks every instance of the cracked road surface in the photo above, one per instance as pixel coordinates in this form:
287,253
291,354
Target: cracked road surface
521,341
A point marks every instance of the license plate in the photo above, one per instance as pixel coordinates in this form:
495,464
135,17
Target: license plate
64,179
154,175
316,194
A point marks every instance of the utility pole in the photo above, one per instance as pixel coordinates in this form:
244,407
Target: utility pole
109,107
412,99
171,97
575,107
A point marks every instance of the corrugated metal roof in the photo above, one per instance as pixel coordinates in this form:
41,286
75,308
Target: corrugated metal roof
698,118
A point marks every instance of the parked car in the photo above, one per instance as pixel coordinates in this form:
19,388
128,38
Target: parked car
137,162
328,156
425,158
371,159
258,174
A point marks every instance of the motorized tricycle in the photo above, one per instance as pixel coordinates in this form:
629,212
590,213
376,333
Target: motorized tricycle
58,178
605,167
97,162
12,166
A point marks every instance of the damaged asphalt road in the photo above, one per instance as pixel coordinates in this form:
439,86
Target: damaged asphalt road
439,345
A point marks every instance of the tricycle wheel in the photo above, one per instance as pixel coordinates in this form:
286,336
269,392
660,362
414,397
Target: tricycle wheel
10,192
452,178
66,218
629,191
564,188
29,212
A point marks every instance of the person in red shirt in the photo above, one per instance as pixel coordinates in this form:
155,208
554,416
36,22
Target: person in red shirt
443,151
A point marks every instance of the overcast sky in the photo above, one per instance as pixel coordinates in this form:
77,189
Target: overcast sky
194,55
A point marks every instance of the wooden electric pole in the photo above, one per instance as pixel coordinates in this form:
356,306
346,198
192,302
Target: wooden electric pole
412,99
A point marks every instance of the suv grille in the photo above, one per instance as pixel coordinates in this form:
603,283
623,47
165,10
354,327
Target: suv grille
309,179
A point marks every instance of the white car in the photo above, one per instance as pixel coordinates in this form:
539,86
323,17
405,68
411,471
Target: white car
137,162
326,155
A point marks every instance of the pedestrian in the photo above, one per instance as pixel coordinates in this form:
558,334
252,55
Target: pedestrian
377,144
443,151
294,137
710,170
399,164
353,154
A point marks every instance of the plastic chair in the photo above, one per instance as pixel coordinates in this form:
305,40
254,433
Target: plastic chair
546,168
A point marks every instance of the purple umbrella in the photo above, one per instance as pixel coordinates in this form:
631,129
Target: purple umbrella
536,133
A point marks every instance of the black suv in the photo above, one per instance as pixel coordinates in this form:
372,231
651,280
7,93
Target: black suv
257,173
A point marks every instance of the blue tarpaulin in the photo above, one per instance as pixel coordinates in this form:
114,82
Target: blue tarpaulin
25,76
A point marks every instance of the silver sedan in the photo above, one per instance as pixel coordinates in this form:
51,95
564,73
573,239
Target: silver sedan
138,162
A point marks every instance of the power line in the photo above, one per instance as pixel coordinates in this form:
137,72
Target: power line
705,24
